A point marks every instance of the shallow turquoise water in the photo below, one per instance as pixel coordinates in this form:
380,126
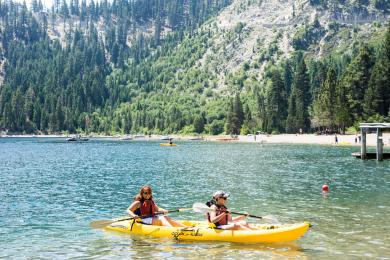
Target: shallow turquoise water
50,190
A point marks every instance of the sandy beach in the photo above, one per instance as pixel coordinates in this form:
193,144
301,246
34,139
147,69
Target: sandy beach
314,139
347,140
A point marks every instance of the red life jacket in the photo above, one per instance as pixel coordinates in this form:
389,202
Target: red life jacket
146,209
219,211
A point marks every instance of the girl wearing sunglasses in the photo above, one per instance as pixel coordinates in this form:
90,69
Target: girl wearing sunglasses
145,209
221,217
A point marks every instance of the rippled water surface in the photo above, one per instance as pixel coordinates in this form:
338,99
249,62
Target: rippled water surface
50,190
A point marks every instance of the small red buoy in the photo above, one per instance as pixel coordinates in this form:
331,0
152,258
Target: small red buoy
325,187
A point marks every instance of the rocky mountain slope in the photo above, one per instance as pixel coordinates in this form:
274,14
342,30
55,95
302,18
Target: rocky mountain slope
204,66
259,31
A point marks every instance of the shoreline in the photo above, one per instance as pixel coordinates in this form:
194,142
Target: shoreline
343,140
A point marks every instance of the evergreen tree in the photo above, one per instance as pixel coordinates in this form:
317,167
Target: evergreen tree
276,104
261,111
377,95
324,105
287,77
239,112
64,9
298,115
235,116
199,124
35,6
356,80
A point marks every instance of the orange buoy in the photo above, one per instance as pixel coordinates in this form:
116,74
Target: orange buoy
325,187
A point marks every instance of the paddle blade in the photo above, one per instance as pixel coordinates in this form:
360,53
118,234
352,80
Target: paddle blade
201,208
101,223
271,219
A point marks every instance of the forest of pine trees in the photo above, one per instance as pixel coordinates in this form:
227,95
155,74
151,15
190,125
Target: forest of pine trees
100,83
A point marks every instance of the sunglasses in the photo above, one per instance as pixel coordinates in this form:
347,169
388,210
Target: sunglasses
223,198
146,193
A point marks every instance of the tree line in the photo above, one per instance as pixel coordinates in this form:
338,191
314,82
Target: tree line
330,94
102,84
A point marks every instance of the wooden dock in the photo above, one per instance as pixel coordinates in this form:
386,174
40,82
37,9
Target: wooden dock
379,128
371,155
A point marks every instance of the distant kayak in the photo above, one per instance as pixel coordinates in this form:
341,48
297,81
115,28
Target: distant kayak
196,139
74,139
126,138
227,139
168,145
200,231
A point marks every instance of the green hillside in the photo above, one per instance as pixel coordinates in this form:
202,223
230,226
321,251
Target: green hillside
176,67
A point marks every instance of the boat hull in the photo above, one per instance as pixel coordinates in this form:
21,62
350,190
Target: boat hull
168,145
202,232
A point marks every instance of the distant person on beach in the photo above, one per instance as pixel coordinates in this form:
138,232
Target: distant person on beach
170,141
336,140
356,139
221,217
145,209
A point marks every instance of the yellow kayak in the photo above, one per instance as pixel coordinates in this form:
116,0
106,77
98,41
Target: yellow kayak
168,145
201,231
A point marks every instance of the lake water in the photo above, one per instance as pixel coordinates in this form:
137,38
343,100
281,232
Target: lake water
50,190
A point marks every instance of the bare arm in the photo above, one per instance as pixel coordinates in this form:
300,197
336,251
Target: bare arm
159,209
130,210
213,216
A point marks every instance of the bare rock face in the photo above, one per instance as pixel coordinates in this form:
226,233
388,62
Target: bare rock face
250,33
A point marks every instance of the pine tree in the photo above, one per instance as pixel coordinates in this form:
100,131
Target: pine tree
239,112
127,121
235,116
262,114
356,80
298,115
276,103
35,6
287,77
324,110
230,118
199,124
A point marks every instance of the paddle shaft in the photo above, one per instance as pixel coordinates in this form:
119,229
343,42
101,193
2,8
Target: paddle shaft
243,214
105,222
204,208
157,213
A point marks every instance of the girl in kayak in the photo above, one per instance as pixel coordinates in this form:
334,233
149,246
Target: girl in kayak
144,208
221,217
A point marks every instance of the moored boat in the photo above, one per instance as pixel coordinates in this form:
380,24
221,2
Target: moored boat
77,139
201,231
168,144
226,139
126,138
196,139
